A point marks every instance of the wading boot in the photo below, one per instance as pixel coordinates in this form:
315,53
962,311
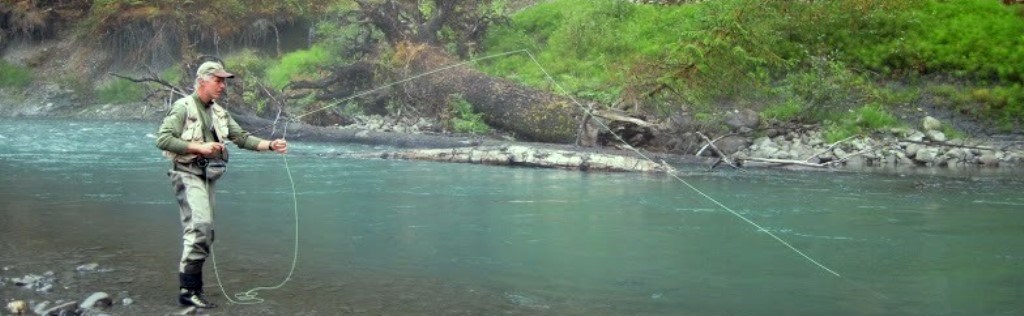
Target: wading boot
194,297
191,293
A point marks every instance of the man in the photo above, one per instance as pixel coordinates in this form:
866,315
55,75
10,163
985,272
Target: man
193,136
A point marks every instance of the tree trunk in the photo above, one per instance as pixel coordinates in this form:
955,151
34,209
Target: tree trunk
532,115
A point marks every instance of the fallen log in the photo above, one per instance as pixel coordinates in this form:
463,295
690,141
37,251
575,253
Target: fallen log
526,156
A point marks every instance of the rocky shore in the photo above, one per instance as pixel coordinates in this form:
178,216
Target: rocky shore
894,150
40,294
899,148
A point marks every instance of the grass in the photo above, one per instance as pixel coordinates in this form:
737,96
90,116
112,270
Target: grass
12,76
119,91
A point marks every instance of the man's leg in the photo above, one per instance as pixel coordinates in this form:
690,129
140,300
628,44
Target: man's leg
195,200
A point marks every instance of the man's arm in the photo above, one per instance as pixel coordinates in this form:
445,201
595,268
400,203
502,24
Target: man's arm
169,133
242,138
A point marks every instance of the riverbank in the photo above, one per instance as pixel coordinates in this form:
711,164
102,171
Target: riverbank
902,150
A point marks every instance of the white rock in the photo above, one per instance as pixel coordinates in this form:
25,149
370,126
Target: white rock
97,300
915,136
930,123
936,136
927,155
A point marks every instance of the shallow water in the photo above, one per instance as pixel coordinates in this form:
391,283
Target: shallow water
407,237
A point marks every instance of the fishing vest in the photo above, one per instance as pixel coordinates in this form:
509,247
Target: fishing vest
193,128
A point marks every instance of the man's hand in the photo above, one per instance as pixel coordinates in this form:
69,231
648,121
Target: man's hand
279,145
205,149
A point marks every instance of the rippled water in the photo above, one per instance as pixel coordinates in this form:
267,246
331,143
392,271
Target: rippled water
406,237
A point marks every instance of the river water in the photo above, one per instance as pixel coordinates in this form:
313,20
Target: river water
387,237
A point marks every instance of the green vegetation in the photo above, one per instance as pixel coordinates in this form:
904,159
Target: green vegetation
12,76
853,66
464,119
804,61
299,65
864,120
119,91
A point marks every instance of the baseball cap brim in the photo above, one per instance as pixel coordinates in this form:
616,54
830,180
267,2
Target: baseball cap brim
223,74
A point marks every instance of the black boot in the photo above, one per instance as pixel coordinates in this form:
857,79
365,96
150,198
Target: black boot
194,297
191,292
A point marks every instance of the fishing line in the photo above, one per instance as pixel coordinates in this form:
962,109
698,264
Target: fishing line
698,191
674,175
249,297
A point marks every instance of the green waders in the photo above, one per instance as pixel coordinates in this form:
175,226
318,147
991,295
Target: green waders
194,188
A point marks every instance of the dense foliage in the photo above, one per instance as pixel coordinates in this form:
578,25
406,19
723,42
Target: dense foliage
853,66
831,62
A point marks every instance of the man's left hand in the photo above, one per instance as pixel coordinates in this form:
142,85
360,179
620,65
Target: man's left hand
279,145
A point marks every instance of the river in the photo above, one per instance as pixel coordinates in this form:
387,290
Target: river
391,237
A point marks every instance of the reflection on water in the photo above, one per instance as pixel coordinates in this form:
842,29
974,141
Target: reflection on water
403,237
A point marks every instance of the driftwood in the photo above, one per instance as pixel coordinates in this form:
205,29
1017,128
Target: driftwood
526,156
154,78
612,115
722,157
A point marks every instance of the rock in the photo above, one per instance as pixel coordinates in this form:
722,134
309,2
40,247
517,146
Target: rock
930,123
915,136
927,155
89,267
1015,157
839,152
18,307
39,283
97,300
912,150
743,118
762,142
40,308
958,154
989,159
731,144
937,136
127,301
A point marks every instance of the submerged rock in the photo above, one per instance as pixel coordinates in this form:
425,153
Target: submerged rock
97,300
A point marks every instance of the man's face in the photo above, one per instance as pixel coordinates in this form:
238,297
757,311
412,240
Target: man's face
212,88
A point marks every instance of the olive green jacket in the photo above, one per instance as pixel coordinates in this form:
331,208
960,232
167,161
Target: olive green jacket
189,121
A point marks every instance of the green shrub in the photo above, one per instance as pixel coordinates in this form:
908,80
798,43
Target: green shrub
588,46
825,88
13,76
298,65
785,111
465,120
119,91
864,120
945,36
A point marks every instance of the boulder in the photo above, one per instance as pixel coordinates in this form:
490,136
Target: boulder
927,155
915,136
930,123
936,136
989,159
745,118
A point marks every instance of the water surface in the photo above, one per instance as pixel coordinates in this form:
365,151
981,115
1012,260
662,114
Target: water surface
407,237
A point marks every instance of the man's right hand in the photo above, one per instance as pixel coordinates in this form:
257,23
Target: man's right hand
205,149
